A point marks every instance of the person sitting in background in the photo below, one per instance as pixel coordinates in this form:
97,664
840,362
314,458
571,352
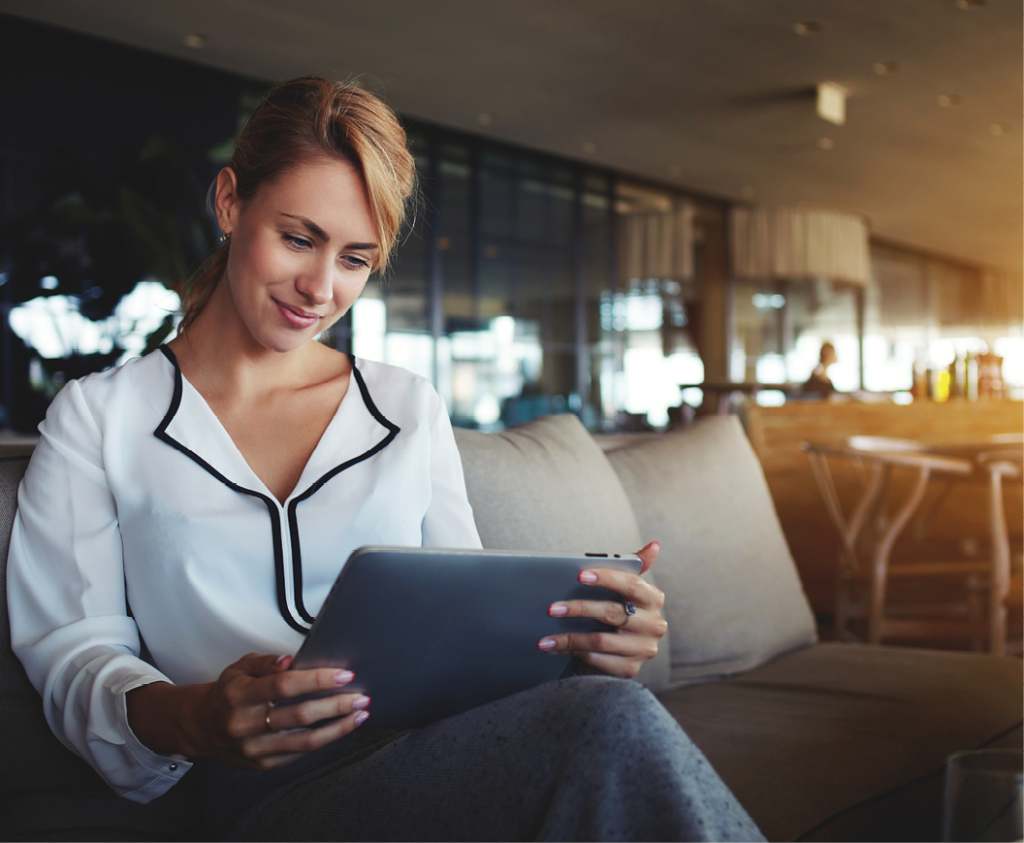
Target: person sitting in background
819,382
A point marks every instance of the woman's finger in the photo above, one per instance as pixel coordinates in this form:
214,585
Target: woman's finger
612,613
648,555
630,586
285,684
275,749
636,644
284,717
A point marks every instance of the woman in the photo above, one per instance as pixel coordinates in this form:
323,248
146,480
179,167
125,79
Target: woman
196,505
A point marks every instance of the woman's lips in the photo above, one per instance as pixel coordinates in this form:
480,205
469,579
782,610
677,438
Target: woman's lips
296,318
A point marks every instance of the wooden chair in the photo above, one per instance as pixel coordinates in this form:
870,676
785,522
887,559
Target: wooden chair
866,569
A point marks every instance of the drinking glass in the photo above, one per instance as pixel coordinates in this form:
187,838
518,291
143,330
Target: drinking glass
983,795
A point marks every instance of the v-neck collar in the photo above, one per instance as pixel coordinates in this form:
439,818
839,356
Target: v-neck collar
357,431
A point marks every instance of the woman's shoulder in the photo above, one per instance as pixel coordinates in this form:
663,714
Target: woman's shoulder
396,392
388,378
103,393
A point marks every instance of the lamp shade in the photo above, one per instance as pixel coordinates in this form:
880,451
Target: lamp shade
797,243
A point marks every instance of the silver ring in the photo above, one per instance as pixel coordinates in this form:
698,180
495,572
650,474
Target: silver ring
630,611
267,719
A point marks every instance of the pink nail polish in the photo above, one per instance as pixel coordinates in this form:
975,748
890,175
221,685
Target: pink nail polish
547,644
361,717
361,702
558,610
280,659
588,576
343,677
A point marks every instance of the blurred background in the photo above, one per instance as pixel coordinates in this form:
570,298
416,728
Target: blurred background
626,207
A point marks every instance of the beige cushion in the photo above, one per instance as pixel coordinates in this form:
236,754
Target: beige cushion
733,597
546,485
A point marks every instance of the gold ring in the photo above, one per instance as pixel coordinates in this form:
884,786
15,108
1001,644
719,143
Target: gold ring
267,720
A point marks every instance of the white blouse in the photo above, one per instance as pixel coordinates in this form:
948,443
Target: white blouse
140,521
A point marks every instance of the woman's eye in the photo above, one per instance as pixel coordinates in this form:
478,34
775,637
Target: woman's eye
353,262
298,242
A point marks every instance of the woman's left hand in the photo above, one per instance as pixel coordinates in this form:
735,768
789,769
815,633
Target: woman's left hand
623,651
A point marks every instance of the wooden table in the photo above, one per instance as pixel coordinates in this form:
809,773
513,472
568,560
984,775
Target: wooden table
867,540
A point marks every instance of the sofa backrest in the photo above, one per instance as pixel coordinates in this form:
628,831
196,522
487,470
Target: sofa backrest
733,596
545,485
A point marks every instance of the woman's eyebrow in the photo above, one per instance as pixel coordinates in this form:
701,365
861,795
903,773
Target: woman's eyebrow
323,235
312,226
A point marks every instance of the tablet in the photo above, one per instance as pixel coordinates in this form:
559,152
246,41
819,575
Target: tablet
429,632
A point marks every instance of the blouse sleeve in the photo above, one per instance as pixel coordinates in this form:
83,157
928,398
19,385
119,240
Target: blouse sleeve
449,518
66,597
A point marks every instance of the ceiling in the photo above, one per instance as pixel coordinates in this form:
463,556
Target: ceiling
711,95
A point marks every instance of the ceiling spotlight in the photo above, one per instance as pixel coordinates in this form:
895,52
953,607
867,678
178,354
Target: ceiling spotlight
967,5
485,119
826,143
948,100
590,147
998,129
885,68
807,27
195,41
832,102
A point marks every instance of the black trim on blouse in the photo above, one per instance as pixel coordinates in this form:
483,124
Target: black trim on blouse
305,621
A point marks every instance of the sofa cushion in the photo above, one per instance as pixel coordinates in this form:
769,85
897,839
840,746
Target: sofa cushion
835,732
45,790
546,485
733,596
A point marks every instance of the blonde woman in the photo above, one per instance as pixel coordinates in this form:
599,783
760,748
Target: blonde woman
183,518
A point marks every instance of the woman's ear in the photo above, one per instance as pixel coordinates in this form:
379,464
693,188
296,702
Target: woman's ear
227,202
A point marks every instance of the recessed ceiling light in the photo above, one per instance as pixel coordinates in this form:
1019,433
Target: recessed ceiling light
485,119
195,41
826,143
807,27
967,5
948,100
884,68
590,147
832,102
998,129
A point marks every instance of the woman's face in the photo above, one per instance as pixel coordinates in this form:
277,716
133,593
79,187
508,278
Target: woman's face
301,251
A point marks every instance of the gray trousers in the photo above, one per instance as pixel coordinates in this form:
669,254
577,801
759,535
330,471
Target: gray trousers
587,758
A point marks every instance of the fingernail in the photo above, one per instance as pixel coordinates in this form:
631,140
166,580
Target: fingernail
588,576
280,659
343,677
547,644
361,702
557,610
361,717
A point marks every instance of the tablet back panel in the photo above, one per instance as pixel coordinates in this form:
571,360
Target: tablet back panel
429,633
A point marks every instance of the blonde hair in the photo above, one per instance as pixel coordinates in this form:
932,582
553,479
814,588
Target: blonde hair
305,120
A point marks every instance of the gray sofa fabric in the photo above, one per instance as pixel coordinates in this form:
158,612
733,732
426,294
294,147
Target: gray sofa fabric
805,739
734,597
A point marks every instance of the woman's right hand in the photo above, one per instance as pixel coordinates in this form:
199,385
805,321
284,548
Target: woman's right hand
239,720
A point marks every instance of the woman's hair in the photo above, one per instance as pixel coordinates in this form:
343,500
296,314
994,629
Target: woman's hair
311,119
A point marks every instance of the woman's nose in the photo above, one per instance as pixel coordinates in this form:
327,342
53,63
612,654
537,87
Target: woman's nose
316,283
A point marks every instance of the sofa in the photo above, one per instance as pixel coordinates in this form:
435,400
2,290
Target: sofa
818,740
